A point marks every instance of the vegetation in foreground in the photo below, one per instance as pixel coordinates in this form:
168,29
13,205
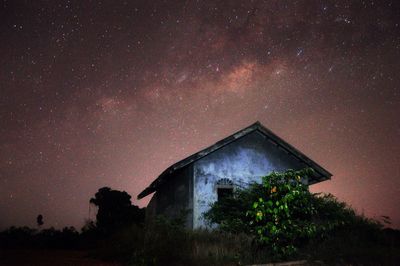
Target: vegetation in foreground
289,222
277,220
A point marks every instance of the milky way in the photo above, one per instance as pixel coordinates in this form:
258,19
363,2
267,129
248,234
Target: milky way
110,93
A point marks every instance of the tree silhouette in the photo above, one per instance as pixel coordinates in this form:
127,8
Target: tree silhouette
115,210
39,220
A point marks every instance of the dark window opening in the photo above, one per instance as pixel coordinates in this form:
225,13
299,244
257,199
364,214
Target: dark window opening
224,193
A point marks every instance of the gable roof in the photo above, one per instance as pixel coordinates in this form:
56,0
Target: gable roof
320,173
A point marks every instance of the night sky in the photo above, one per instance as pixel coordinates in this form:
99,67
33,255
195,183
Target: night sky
110,93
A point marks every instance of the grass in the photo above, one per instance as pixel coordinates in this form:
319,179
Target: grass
167,243
360,243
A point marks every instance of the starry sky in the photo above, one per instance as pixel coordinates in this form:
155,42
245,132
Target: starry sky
110,93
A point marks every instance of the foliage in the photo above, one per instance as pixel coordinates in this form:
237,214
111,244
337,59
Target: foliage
230,212
167,242
124,245
158,239
358,241
285,217
115,210
332,215
282,216
339,236
25,237
278,212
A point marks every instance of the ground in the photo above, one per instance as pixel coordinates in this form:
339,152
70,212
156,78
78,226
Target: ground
49,258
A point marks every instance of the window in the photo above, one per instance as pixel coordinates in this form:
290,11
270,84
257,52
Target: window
224,188
224,193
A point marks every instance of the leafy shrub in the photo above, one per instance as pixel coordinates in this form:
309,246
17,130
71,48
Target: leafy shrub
292,223
282,217
278,212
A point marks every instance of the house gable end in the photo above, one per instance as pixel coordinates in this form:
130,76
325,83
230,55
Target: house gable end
320,174
239,163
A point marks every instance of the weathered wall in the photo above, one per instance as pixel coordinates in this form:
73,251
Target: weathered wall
174,196
242,161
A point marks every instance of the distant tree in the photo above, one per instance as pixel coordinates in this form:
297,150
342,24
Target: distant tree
115,210
39,220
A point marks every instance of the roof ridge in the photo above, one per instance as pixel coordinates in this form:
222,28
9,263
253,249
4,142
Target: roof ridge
227,140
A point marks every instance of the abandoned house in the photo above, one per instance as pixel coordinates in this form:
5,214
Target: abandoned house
192,184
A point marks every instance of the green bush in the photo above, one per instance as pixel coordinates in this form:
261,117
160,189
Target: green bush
278,212
276,220
282,217
291,223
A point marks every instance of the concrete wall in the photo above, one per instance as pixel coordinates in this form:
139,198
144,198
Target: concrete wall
173,197
243,161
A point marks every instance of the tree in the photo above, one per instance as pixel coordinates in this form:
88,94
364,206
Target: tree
115,210
39,220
